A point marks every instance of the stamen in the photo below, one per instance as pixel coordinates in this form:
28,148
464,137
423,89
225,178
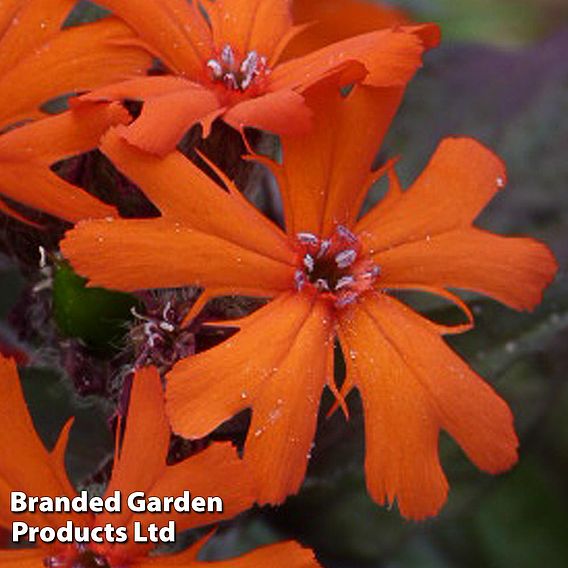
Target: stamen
307,238
299,279
345,258
249,69
42,257
237,76
228,56
166,310
167,326
309,262
322,285
324,247
216,69
345,233
344,282
335,267
230,81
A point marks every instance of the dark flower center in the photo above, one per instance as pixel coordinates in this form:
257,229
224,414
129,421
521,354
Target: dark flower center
234,74
83,559
335,266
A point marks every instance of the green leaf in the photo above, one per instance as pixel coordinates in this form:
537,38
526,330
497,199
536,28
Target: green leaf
97,316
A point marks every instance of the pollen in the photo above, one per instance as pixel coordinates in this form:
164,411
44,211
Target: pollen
335,266
235,74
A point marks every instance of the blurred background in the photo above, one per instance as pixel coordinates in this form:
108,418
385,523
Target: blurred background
501,75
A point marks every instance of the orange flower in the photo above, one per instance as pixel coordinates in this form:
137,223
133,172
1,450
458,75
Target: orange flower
329,275
38,62
334,20
228,66
139,466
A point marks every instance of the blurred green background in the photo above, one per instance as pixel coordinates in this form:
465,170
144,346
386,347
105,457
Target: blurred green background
501,76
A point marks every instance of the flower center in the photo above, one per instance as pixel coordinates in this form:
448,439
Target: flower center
83,559
335,266
234,74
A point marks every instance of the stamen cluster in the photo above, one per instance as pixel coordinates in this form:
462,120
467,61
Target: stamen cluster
84,558
235,75
159,338
335,266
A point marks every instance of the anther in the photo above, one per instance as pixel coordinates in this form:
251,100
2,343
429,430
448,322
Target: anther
165,311
309,262
345,233
228,56
345,258
170,328
42,257
344,282
324,247
216,69
299,279
249,69
230,81
307,238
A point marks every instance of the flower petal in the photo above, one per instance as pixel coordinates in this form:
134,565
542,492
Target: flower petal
461,178
172,30
332,189
284,112
216,471
26,24
172,106
424,236
146,440
185,194
27,466
282,383
514,271
22,558
250,25
335,20
390,58
57,137
77,59
412,385
26,154
157,253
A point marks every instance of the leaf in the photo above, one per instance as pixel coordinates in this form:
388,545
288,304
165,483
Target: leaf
97,316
